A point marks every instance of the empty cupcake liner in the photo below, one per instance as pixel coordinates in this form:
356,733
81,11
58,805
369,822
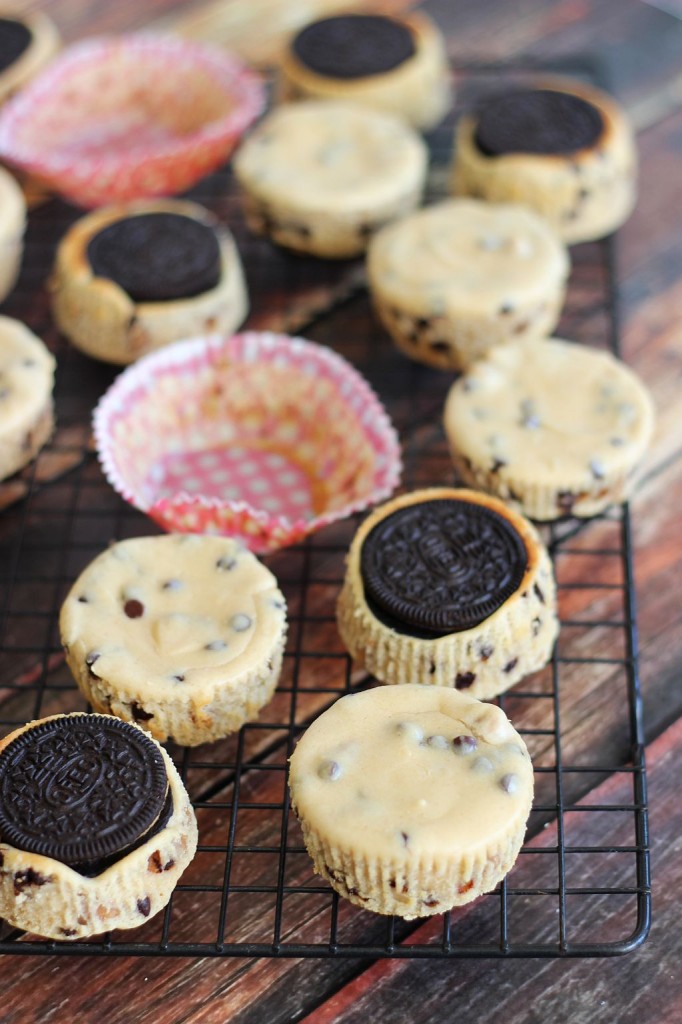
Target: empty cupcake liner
121,118
258,436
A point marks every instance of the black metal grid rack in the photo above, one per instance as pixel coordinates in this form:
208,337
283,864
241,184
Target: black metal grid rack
250,890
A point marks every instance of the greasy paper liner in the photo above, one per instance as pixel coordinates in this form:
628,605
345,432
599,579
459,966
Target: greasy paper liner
259,436
114,119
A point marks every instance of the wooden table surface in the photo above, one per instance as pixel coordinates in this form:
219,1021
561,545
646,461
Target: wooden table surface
642,47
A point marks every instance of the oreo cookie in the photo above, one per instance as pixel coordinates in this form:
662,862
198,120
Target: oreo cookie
15,38
354,46
441,566
536,121
83,790
157,257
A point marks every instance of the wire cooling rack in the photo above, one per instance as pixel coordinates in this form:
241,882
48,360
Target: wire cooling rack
581,884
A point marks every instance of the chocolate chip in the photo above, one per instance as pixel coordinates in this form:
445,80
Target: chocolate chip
83,599
172,585
536,626
565,501
240,622
511,665
216,645
226,563
329,770
538,593
423,323
144,906
438,742
463,680
430,903
509,783
497,465
179,677
486,651
464,744
139,713
506,308
28,877
405,838
432,668
584,193
90,660
597,469
68,932
439,346
410,730
467,887
134,609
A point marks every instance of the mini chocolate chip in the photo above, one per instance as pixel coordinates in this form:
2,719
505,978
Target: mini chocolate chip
27,877
423,323
139,713
584,193
506,308
226,563
463,680
144,906
83,599
179,677
68,932
91,658
511,665
172,584
538,593
410,730
464,744
617,442
482,766
405,838
509,783
216,645
329,770
536,626
134,609
597,469
497,465
2,859
439,346
486,651
154,863
565,501
240,622
432,668
439,742
278,604
430,903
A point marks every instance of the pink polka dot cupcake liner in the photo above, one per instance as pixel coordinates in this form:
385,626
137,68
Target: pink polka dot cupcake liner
114,119
258,436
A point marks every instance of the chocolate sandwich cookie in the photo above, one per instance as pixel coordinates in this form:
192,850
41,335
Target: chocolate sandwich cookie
563,148
95,826
26,406
27,43
516,430
454,279
129,279
320,178
411,800
182,634
395,64
450,588
157,257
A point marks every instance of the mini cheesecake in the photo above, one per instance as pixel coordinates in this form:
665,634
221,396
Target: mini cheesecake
131,279
563,148
395,64
27,43
411,799
449,588
95,826
26,406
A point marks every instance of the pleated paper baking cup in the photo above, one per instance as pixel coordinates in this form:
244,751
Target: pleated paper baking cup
120,118
257,436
